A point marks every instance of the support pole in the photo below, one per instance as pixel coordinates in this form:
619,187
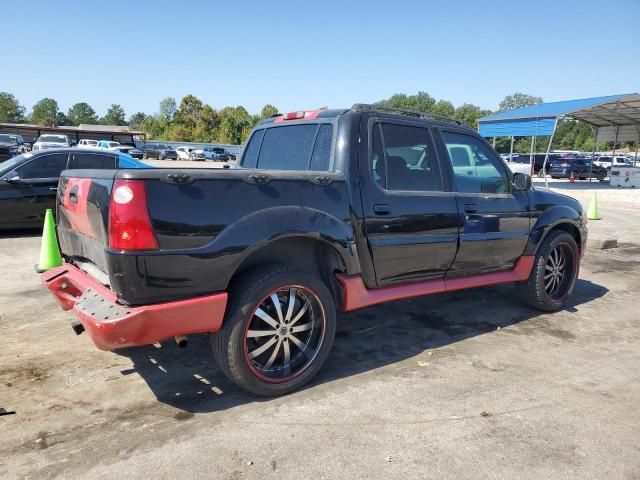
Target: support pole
593,154
494,143
546,157
635,159
511,150
531,163
613,153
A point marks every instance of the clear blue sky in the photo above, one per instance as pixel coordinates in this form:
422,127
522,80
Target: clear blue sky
305,54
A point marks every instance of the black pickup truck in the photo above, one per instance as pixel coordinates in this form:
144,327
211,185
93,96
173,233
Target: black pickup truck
329,210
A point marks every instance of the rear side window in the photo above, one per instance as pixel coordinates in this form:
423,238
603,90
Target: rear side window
294,147
403,158
45,166
91,160
322,148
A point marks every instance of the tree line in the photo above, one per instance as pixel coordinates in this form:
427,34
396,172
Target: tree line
192,120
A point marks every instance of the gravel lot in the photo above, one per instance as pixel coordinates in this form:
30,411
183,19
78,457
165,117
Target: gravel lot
461,385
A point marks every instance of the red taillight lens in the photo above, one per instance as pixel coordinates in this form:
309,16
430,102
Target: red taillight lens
129,223
294,115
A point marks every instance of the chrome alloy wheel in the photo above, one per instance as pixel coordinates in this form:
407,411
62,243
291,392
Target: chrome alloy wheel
284,334
556,271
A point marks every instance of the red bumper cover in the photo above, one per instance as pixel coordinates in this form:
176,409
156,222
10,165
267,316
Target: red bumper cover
111,325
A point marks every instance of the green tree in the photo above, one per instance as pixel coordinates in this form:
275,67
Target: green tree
82,113
136,121
443,107
153,127
62,119
207,126
189,111
518,100
45,113
422,102
470,114
168,108
115,116
10,109
235,125
179,133
268,111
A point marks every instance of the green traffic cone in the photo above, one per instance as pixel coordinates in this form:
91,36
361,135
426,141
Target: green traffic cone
592,212
49,254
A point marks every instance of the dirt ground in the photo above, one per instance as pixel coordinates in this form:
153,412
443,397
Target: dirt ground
462,385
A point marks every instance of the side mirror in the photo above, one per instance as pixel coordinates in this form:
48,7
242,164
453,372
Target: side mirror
14,179
521,182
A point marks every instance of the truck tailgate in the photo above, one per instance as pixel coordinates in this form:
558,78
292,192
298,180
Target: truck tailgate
83,215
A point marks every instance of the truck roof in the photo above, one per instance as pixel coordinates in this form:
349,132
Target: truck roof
360,107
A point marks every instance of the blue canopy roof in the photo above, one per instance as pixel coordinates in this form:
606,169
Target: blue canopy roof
539,120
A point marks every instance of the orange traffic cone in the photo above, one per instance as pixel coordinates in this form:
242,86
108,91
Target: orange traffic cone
572,178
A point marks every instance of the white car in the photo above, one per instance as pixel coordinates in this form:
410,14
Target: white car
607,161
51,141
184,152
108,145
519,167
87,143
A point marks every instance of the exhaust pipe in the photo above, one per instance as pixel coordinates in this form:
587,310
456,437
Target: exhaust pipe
182,341
78,328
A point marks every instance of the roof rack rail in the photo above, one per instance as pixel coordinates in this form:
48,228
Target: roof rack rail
364,107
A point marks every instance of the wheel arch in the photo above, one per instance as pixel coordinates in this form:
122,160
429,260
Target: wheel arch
307,251
556,218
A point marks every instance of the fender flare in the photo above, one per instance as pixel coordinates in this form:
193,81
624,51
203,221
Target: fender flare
550,219
259,229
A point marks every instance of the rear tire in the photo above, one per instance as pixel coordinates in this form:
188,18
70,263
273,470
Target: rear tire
267,351
554,273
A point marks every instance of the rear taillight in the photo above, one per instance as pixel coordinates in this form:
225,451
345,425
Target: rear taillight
129,223
293,115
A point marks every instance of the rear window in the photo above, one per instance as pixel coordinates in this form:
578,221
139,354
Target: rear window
293,147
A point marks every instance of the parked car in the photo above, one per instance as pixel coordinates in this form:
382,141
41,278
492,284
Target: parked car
28,182
107,144
184,152
159,151
11,145
401,206
538,159
52,141
607,161
217,154
580,168
198,155
87,143
133,152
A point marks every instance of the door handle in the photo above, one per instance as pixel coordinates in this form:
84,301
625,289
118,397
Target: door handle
55,189
470,208
381,209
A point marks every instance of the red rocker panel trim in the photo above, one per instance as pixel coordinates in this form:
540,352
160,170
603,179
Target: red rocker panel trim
356,295
111,325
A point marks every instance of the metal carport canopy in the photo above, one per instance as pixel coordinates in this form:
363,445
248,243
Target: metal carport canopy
615,116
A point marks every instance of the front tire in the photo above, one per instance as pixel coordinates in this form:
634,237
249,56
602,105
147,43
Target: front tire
278,330
554,273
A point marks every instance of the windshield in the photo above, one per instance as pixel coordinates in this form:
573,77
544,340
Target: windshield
52,139
7,138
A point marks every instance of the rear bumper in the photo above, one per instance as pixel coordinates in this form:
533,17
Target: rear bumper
112,325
